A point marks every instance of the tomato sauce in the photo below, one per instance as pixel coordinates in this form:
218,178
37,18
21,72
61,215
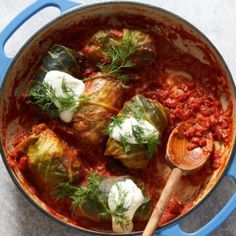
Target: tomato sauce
189,88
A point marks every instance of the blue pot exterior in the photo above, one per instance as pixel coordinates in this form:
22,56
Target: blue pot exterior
8,63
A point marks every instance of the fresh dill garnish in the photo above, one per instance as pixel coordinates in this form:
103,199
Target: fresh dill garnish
152,142
138,133
135,111
119,213
64,190
119,56
87,193
80,194
138,114
116,121
69,99
43,95
125,144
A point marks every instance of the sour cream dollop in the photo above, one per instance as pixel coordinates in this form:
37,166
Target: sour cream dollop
125,129
55,79
133,200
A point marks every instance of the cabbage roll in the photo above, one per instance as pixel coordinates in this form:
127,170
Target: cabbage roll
136,44
51,161
136,132
60,58
101,100
91,200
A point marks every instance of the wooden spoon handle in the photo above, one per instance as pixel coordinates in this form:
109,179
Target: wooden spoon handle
164,199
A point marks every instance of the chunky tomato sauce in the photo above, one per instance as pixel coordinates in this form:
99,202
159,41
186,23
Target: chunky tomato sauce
191,89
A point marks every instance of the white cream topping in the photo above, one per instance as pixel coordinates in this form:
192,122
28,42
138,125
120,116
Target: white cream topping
125,129
55,79
133,200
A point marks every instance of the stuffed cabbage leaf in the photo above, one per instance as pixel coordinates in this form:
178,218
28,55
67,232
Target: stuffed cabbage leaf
136,155
51,161
103,99
62,59
137,45
91,200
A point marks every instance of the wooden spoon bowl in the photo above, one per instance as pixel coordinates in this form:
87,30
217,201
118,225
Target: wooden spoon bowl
180,153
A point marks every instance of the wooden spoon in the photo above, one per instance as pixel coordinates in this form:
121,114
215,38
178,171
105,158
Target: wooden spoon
183,161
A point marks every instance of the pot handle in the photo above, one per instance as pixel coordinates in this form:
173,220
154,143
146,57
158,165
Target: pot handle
6,33
214,223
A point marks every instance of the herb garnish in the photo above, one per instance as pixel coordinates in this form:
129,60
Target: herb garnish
69,100
124,142
119,56
116,121
151,140
135,110
64,190
43,95
119,213
79,194
87,193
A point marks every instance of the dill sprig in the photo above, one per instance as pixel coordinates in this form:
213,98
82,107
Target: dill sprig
135,110
69,100
87,193
64,190
138,133
120,58
119,213
43,95
126,146
79,194
116,121
151,140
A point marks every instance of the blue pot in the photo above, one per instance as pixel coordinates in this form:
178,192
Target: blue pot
71,13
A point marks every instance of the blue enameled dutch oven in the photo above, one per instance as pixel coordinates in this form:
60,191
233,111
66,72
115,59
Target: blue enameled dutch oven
71,13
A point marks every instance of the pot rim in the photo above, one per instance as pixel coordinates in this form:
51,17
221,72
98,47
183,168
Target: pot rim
86,6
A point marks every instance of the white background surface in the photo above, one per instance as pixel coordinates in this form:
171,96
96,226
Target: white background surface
215,18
